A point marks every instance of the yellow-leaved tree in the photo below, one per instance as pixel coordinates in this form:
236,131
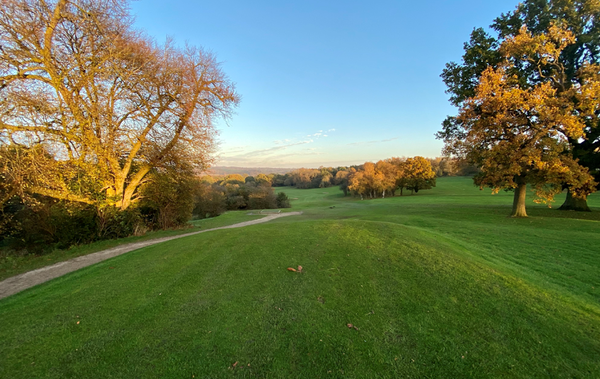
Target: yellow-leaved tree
93,106
516,130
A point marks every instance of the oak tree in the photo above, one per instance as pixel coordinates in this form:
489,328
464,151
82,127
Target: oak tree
580,17
517,130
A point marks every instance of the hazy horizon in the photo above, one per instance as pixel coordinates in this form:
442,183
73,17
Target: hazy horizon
333,83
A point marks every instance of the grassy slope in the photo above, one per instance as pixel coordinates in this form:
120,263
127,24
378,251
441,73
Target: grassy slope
11,265
440,285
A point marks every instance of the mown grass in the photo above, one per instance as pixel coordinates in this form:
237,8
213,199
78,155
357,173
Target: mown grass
440,284
12,264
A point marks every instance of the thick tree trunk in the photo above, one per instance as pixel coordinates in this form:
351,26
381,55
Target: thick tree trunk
518,209
574,204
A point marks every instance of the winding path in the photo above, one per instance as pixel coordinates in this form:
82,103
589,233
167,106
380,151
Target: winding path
29,279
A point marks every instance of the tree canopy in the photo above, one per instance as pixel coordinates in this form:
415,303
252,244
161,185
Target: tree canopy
517,128
100,101
581,19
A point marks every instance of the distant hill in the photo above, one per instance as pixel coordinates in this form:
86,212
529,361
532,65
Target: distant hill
252,171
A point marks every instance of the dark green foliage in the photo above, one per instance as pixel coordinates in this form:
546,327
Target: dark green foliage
283,201
168,198
209,202
45,224
212,200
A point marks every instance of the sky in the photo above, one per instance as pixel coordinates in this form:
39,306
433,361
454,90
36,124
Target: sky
328,82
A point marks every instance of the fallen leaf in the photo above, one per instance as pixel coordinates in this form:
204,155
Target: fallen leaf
291,269
321,300
235,364
299,268
77,322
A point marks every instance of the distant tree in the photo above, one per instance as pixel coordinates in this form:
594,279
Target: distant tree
278,180
283,201
518,131
418,173
233,179
341,179
209,201
207,179
387,173
261,197
249,179
262,179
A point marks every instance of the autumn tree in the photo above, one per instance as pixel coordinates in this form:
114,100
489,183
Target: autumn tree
417,174
517,128
582,19
101,99
263,179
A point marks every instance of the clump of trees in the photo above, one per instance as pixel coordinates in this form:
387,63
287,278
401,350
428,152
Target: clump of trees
374,180
529,102
234,192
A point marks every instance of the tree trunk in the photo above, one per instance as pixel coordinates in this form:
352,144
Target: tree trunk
574,204
518,209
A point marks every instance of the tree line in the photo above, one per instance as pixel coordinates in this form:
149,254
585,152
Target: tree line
324,177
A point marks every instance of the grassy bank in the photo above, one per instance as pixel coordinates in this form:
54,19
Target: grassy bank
11,264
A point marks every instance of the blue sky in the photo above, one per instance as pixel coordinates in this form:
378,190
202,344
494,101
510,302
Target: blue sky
327,82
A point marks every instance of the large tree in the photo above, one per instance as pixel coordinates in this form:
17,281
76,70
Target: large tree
581,17
101,99
517,130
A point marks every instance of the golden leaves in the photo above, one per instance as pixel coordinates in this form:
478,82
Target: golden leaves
515,129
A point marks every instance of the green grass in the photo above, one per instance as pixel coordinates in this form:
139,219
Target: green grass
441,284
11,265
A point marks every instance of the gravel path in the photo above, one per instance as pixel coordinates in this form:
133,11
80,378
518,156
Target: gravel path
29,279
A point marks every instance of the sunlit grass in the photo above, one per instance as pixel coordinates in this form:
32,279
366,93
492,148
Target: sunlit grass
441,284
13,264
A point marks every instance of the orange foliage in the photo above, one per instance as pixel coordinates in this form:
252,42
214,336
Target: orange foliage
517,132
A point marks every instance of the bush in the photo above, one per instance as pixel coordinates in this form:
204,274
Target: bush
168,198
283,201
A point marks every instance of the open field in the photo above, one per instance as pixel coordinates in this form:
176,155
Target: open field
440,284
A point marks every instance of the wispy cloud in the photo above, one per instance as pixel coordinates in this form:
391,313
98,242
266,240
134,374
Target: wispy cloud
371,142
320,134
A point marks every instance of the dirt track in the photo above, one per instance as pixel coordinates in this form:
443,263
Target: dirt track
29,279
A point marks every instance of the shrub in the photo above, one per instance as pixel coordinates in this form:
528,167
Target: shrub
283,201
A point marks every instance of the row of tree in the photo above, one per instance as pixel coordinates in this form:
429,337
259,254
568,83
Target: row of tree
324,177
529,102
372,180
